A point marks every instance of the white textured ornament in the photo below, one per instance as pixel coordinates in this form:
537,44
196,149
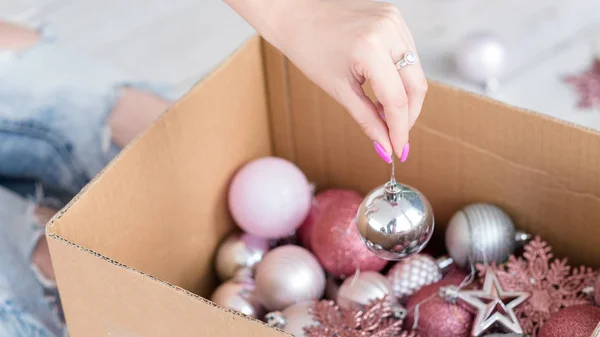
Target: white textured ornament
480,58
411,274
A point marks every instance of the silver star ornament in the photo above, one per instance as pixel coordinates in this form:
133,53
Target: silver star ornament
494,306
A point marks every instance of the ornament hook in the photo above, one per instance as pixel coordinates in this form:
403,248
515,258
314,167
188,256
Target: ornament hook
393,190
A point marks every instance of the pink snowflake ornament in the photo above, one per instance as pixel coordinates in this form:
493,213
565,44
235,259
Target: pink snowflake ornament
587,85
552,283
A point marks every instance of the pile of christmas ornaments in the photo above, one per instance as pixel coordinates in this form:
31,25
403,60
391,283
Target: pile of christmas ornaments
316,265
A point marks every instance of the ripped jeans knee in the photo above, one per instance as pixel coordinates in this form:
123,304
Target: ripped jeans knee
63,117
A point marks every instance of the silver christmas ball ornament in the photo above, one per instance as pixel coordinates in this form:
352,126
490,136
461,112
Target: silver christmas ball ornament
395,221
480,233
238,251
481,58
293,319
411,274
239,294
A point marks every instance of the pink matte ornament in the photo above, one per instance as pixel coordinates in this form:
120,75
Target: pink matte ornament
335,238
269,197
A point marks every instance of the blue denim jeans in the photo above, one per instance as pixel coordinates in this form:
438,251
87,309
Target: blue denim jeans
54,105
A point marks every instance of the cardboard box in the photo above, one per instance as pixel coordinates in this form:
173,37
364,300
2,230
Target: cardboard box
135,247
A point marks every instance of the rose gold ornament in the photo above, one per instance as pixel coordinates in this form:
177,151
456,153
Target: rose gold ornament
237,251
293,319
287,275
574,321
365,287
552,283
335,239
239,294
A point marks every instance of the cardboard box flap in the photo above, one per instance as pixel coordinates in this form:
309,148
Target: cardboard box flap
111,299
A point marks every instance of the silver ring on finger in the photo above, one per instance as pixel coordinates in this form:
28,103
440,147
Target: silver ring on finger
408,59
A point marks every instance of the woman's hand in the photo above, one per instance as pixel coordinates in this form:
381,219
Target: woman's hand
339,45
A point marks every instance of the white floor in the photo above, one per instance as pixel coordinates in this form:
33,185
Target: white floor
180,41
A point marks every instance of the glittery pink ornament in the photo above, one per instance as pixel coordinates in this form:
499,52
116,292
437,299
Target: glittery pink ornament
597,290
575,321
269,197
305,230
287,275
335,240
437,317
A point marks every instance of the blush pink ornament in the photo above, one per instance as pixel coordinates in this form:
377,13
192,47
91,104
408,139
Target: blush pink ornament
269,197
288,275
335,239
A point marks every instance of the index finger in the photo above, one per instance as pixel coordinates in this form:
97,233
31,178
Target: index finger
390,92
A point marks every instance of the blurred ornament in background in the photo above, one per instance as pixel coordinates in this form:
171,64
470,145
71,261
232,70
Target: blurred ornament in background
573,321
552,283
237,251
433,316
480,233
288,275
480,58
269,197
395,221
365,287
413,273
239,294
293,319
335,240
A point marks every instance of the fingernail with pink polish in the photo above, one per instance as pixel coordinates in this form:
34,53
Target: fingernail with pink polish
382,153
405,152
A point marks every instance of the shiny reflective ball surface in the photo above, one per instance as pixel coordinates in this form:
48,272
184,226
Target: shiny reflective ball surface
395,221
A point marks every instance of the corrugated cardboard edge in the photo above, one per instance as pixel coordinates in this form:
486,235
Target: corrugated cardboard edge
55,239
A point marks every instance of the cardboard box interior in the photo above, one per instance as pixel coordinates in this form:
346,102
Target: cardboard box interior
134,247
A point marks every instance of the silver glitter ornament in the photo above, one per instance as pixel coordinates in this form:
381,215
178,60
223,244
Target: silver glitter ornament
480,233
293,319
413,273
237,251
395,221
239,294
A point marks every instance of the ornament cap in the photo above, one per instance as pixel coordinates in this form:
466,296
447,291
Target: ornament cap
276,319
